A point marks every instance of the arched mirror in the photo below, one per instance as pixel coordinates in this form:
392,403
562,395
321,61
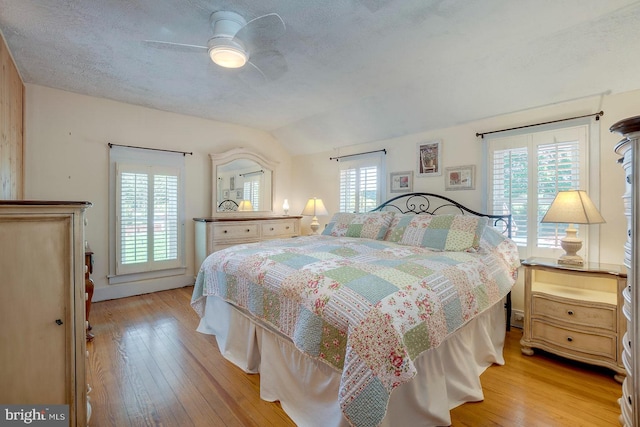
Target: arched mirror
242,182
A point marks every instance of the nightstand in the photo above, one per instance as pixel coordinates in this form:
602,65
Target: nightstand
575,312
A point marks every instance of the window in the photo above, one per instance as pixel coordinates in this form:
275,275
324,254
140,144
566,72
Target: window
251,190
526,171
361,183
148,211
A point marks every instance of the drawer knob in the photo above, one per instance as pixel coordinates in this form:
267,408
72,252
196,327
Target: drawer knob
271,228
570,312
288,227
58,322
247,230
225,231
569,339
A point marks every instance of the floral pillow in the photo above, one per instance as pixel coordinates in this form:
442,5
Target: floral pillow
370,225
398,225
441,232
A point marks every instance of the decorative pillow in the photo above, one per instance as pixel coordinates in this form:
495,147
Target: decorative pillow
442,232
398,225
369,225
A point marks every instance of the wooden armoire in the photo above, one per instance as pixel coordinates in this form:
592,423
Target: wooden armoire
42,305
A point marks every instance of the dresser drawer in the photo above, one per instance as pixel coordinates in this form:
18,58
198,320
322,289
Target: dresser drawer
279,228
574,313
575,341
226,232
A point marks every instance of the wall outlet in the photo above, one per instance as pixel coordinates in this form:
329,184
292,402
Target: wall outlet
517,319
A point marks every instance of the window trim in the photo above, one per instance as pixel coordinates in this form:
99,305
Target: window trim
163,161
358,162
589,181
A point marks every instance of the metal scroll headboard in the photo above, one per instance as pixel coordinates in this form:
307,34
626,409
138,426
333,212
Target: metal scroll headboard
434,204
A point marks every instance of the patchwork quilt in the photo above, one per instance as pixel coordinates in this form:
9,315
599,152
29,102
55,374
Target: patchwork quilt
366,307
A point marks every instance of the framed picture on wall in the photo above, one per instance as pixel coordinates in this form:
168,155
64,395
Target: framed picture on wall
225,194
429,156
232,183
239,194
460,178
401,182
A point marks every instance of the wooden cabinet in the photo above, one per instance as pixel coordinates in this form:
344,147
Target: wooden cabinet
213,234
575,312
42,305
630,160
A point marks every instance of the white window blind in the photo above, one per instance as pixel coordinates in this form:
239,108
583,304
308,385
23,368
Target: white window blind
558,170
361,183
147,220
525,173
165,217
133,217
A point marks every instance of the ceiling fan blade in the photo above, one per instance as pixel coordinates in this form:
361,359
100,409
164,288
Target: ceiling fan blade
176,47
261,30
270,63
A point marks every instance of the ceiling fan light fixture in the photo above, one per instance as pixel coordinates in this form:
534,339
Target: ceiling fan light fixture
227,53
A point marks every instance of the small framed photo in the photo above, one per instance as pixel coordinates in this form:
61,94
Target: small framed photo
232,183
239,194
429,158
460,178
401,182
225,194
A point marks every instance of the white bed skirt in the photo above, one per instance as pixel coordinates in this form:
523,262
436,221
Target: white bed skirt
308,389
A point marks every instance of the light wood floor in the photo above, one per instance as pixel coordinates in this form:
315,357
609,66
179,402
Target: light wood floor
148,367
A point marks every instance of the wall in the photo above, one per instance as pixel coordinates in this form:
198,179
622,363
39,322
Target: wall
67,158
11,142
315,175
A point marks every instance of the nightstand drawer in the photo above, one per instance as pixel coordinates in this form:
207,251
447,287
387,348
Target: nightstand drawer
575,341
573,313
224,233
280,228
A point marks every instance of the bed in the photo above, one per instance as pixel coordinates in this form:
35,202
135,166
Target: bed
387,318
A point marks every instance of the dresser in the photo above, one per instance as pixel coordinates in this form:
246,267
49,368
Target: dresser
575,311
629,151
42,305
213,234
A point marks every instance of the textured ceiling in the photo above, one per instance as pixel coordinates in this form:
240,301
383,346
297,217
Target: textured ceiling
357,70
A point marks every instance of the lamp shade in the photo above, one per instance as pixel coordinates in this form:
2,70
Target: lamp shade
245,205
573,207
315,207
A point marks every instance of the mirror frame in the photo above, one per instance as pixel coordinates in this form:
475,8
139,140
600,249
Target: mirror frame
218,159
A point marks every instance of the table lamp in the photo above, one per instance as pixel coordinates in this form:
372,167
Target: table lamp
245,205
572,207
314,208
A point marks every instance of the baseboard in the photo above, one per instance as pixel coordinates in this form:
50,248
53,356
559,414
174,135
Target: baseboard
143,287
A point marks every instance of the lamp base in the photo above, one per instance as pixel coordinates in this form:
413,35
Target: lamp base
571,260
571,244
315,225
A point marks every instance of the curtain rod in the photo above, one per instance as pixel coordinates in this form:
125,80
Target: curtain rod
184,153
597,116
251,173
337,159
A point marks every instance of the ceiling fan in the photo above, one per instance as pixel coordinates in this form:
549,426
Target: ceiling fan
239,44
